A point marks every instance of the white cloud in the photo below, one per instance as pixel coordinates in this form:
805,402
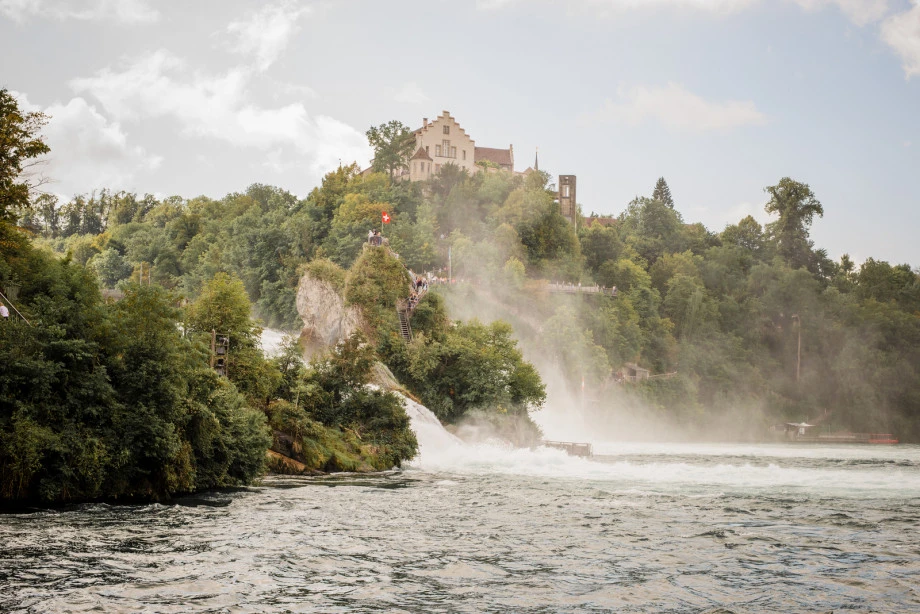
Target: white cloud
709,6
902,33
265,33
677,108
607,6
217,106
124,11
860,12
410,93
87,150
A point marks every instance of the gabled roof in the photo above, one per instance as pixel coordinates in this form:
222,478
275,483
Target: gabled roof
421,154
502,157
445,115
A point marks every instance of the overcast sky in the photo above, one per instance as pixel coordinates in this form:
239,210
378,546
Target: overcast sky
721,97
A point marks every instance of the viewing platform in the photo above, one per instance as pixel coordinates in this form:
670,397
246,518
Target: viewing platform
577,289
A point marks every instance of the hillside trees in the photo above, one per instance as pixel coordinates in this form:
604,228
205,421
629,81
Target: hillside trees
651,228
223,307
468,366
747,234
716,308
20,146
882,282
599,244
110,401
329,417
393,143
375,283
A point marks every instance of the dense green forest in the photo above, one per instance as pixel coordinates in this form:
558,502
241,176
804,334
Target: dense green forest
112,395
723,310
720,313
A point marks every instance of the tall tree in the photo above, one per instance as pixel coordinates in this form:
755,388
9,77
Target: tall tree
797,206
662,192
393,143
747,234
46,205
20,143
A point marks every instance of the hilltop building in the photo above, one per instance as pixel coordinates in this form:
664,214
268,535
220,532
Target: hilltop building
443,141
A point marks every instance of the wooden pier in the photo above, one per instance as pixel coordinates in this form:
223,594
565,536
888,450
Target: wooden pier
571,448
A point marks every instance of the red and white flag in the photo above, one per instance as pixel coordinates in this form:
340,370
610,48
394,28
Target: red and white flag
386,217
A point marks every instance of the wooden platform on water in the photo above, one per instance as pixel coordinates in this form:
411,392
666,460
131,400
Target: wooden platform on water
571,448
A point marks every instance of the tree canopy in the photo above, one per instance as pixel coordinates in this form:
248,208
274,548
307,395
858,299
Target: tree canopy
393,144
662,193
796,206
20,144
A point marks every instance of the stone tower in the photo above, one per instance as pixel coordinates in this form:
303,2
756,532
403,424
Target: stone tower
567,201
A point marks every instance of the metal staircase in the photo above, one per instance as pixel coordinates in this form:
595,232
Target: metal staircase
405,330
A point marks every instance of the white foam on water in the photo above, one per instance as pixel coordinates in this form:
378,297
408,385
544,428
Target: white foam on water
662,468
270,341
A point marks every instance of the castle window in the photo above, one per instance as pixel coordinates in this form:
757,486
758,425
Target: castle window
565,191
445,147
446,129
464,154
453,152
437,150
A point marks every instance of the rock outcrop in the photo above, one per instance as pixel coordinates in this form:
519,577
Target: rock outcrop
326,318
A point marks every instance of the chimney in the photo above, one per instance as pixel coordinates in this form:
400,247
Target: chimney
424,122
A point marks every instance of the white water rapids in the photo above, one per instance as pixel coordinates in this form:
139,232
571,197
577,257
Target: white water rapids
694,528
645,468
720,527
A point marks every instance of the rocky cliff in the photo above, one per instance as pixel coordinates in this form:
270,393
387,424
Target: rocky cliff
326,318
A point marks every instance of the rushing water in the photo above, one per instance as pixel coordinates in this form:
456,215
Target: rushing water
683,528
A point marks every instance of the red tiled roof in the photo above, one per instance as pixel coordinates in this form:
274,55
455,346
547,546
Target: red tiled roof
605,221
502,157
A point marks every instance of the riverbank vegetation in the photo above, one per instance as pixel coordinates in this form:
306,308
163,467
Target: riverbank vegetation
115,398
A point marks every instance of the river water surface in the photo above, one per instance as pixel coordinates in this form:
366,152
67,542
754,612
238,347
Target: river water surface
639,528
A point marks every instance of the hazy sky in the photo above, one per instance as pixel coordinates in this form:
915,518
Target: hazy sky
721,97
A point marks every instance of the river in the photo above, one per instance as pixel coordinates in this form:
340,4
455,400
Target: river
638,528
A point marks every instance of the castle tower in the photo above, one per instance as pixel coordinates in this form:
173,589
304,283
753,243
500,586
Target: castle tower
567,201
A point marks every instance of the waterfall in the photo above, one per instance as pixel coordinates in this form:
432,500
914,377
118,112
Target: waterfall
441,451
433,439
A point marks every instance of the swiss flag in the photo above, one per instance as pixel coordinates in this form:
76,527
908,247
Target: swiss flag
386,217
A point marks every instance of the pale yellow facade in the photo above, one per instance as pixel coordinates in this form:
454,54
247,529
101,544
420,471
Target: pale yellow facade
445,142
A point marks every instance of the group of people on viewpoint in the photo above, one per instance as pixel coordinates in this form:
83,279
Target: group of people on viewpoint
419,288
374,237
